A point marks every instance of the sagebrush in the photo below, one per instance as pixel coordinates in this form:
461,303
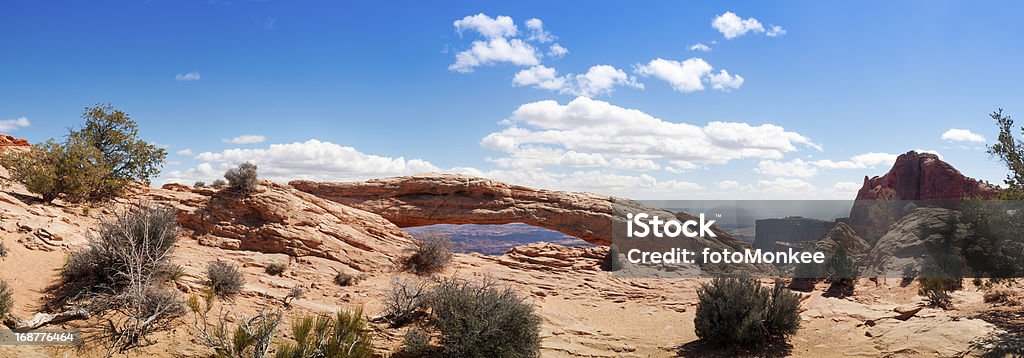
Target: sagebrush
739,311
224,278
432,254
242,178
483,319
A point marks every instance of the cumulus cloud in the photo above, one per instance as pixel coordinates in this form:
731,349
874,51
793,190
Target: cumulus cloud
601,132
245,139
186,152
495,50
686,76
700,47
731,25
722,81
642,186
537,33
962,135
557,51
190,76
312,159
689,75
793,168
10,125
598,80
785,185
486,26
861,161
503,43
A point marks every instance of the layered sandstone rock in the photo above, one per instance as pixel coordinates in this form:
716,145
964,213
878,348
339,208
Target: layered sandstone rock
843,235
918,176
10,141
922,234
279,219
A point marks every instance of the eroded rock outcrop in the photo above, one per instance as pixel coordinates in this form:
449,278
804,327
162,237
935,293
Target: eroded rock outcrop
843,235
918,176
279,219
922,234
11,141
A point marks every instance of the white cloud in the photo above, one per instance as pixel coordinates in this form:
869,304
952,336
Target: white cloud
191,76
722,81
642,186
245,139
843,190
557,51
493,51
785,185
598,80
776,31
793,168
312,159
10,125
866,160
732,26
686,76
185,152
728,185
590,127
537,32
700,47
962,135
486,26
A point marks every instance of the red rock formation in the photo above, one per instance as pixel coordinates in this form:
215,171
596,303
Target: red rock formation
10,141
919,176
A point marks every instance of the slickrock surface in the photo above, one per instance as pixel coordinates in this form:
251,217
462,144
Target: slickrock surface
277,218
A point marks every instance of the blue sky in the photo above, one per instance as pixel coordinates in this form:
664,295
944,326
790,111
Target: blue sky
830,91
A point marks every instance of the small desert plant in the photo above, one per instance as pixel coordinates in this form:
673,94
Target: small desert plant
937,290
483,320
218,183
612,262
242,178
998,294
293,294
3,249
346,279
275,268
432,253
251,337
739,311
6,299
344,336
842,272
172,273
224,278
405,302
909,274
199,184
416,344
120,275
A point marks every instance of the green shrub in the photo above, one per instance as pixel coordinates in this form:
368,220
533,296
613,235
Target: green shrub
199,184
739,311
95,162
937,290
346,279
218,183
275,268
6,299
343,336
416,344
432,254
842,272
224,278
483,320
242,178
